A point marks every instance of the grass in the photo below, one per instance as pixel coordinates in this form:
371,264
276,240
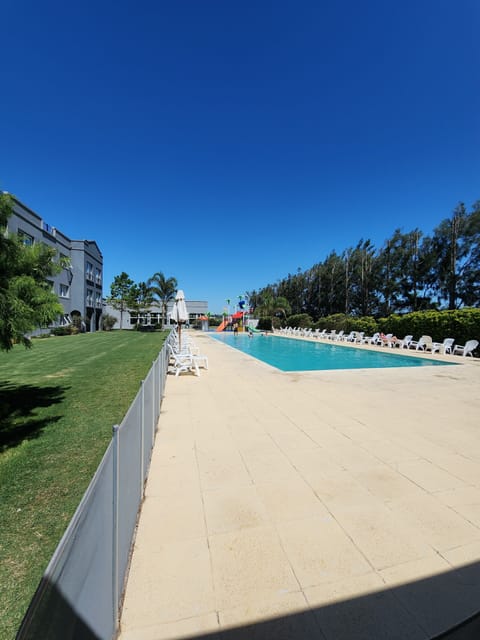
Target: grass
58,403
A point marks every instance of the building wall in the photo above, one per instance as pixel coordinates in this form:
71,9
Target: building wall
87,264
73,284
196,309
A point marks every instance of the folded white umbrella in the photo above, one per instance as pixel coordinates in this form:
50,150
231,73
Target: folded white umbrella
179,313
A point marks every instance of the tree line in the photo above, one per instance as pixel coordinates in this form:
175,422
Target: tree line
410,272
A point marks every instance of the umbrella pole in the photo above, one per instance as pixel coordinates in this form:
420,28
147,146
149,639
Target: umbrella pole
179,336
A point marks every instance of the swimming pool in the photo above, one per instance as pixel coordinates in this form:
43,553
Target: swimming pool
288,354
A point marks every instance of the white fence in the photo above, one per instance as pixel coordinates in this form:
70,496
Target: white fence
80,592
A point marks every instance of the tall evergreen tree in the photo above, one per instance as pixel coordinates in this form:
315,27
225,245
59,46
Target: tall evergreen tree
140,298
120,294
411,272
334,270
364,279
293,288
455,244
313,291
390,273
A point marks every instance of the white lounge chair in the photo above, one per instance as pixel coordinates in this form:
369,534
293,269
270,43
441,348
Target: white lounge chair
443,347
183,362
405,343
186,360
467,349
424,344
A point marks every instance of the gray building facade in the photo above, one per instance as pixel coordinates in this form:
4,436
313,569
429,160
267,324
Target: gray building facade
79,286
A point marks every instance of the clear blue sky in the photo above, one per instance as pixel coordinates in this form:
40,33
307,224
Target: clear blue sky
230,143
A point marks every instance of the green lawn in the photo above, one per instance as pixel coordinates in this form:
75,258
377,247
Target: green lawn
58,403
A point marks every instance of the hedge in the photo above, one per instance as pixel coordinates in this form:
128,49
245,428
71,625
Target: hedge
461,324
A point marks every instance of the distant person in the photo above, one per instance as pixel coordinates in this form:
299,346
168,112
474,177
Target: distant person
389,340
235,328
250,333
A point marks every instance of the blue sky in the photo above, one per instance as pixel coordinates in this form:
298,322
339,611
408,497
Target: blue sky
231,143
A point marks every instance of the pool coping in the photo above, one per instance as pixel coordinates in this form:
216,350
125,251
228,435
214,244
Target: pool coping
443,358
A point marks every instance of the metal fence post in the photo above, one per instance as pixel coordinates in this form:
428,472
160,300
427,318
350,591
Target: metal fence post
115,523
154,399
160,382
156,382
142,437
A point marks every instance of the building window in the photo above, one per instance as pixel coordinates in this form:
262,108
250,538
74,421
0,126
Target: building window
89,271
89,300
98,276
25,238
98,299
64,261
64,290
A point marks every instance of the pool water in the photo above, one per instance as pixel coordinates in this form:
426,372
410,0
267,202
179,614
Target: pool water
288,354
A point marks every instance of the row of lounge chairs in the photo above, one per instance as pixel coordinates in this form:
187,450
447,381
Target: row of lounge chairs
425,343
184,355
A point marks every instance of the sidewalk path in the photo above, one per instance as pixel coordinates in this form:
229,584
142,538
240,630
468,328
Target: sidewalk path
331,505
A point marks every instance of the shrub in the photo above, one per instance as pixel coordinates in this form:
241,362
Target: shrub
108,322
264,324
61,331
367,324
302,320
461,324
340,321
145,328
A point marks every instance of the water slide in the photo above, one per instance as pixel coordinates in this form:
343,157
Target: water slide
222,326
254,330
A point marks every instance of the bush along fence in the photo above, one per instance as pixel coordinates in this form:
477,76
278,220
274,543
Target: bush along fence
80,592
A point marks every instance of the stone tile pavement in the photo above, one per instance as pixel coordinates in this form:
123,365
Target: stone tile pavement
330,505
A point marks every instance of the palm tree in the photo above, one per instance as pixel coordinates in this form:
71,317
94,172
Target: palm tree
271,306
164,289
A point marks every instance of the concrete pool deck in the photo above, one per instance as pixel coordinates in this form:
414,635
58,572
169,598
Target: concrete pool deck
334,504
